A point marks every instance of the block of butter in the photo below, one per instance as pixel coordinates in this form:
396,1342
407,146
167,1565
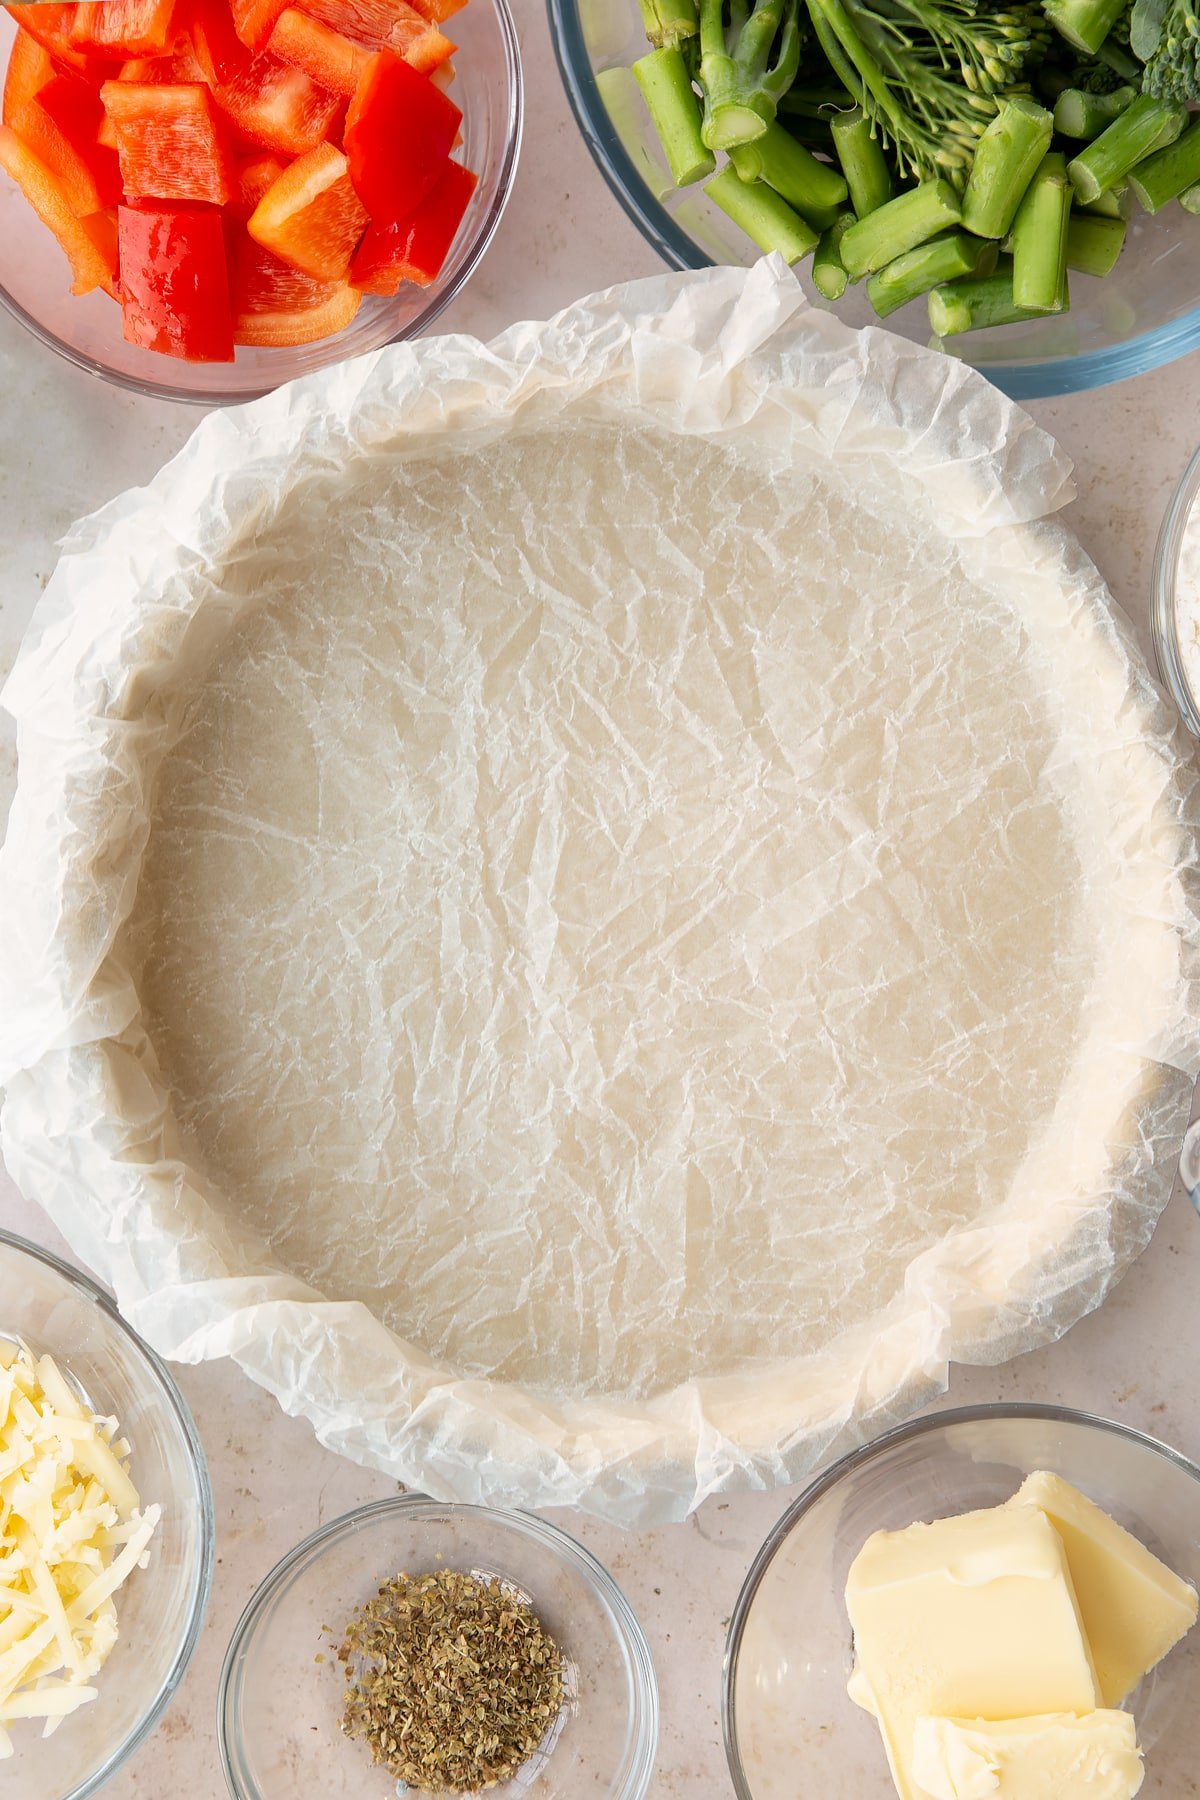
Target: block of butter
965,1618
1063,1756
1134,1608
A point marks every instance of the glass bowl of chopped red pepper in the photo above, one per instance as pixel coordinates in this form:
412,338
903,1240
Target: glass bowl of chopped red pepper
201,199
482,1648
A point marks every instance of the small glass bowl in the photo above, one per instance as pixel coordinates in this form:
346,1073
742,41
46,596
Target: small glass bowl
1164,618
786,1714
1142,315
281,1686
160,1609
35,281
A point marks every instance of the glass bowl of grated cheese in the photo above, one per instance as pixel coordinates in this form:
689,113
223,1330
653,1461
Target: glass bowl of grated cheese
106,1532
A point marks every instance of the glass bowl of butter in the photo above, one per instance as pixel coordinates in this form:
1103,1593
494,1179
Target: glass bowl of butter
993,1603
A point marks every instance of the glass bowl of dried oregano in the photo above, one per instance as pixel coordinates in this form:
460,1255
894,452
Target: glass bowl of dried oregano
420,1649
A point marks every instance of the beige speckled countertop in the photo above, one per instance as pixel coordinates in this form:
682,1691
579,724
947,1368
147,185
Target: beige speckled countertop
67,443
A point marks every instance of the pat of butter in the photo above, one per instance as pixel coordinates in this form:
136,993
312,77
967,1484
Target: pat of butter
965,1618
1057,1757
1134,1608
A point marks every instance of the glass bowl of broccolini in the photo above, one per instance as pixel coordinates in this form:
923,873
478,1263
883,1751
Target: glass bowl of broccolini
1017,183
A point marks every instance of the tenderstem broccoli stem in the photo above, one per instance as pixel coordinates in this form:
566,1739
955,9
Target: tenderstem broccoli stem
1112,204
1039,238
1168,173
675,114
908,220
762,215
742,86
1006,160
1080,115
1084,23
1144,127
930,265
976,304
1190,199
815,189
863,162
1094,243
828,270
669,23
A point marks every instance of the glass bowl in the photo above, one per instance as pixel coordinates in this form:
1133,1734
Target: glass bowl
35,280
281,1687
1144,314
161,1608
1168,583
787,1717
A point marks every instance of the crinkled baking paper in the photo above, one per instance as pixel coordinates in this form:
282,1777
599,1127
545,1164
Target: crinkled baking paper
594,909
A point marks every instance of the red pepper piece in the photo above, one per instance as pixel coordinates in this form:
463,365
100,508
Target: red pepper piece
399,130
385,25
90,244
175,282
415,249
438,11
311,216
278,106
51,26
254,20
161,71
254,177
60,125
125,27
29,70
172,141
275,304
219,51
331,60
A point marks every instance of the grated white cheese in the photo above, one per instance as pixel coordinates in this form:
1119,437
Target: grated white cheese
72,1529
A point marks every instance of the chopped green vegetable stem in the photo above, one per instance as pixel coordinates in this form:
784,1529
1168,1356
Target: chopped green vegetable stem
1190,199
1008,156
1145,126
941,260
762,215
1094,243
1084,23
1039,238
975,305
675,114
828,270
815,189
863,162
908,220
1169,172
742,86
1080,115
669,23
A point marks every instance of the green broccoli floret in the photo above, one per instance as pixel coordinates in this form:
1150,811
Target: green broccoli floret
1173,64
928,72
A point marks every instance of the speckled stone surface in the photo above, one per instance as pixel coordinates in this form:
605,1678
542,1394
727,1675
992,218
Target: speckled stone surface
67,443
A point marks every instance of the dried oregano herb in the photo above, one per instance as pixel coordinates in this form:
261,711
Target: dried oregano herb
451,1681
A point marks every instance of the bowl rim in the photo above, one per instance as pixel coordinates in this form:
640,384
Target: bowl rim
473,251
202,1579
1164,627
635,1777
866,1453
1040,380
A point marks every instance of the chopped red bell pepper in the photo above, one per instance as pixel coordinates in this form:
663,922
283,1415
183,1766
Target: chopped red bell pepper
51,26
125,27
162,71
29,70
333,61
254,20
278,106
175,281
90,244
399,130
438,11
219,51
311,216
415,249
254,177
275,304
60,125
385,25
172,141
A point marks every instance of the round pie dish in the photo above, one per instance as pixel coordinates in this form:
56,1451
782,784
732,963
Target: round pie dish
1143,315
35,279
281,1686
57,1311
789,1651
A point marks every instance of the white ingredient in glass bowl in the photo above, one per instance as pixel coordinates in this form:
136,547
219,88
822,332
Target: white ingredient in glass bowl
1187,601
